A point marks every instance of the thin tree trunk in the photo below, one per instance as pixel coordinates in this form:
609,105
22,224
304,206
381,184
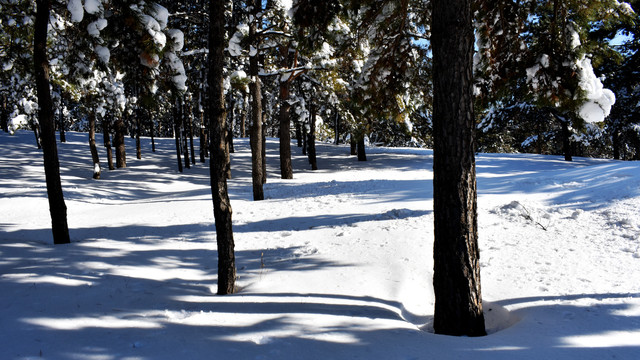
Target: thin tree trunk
219,157
36,133
353,145
243,116
256,136
616,144
92,145
299,135
311,140
152,133
118,139
61,122
190,123
337,125
107,142
57,206
566,140
138,131
456,278
185,135
176,132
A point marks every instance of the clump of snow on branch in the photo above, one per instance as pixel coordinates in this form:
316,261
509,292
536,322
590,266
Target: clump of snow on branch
92,6
76,10
598,99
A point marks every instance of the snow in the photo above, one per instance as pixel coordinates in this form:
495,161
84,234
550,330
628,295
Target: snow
92,6
103,53
334,264
95,27
598,99
76,10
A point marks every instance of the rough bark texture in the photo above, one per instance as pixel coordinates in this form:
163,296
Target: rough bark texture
456,280
286,171
57,206
92,146
219,155
256,116
118,140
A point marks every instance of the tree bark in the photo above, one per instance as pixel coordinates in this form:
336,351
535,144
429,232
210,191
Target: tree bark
57,206
566,140
256,136
107,142
311,140
4,115
456,279
118,139
362,155
219,156
138,130
286,171
92,145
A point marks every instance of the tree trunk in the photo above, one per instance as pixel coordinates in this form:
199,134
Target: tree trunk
566,140
185,135
152,133
118,139
219,157
36,133
138,130
616,144
243,116
92,145
311,140
337,125
286,171
456,279
362,155
4,115
299,134
353,145
107,142
190,123
61,122
57,206
256,136
176,132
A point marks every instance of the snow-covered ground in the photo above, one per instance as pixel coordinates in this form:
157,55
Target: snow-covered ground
334,264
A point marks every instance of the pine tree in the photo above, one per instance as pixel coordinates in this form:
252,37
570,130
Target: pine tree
456,279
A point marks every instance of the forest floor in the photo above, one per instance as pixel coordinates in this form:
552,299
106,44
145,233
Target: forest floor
334,264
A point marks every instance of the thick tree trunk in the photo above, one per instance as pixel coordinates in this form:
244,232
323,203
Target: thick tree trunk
107,142
256,136
118,139
57,206
286,171
92,145
219,157
362,155
4,115
456,279
311,140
